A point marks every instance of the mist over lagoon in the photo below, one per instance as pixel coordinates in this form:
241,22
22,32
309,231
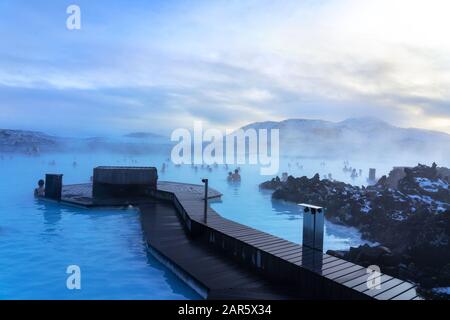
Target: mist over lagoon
223,150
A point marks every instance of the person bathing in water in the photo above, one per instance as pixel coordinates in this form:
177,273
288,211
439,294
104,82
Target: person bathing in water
236,176
40,190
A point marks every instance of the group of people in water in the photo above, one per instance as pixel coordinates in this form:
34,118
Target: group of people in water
297,164
353,172
233,176
236,177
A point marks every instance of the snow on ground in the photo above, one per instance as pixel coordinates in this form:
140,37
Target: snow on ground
439,206
426,199
366,207
398,215
445,290
431,186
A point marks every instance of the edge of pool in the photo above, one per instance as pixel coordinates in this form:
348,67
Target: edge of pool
180,273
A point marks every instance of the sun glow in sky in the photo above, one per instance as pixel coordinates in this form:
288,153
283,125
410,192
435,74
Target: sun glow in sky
157,65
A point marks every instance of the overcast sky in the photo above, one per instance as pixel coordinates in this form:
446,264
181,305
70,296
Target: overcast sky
157,65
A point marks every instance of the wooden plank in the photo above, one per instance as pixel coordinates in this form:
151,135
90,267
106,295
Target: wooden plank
287,249
251,237
264,242
352,276
345,272
294,260
408,295
289,255
333,264
278,246
326,261
337,268
356,281
263,234
243,233
222,225
395,291
386,283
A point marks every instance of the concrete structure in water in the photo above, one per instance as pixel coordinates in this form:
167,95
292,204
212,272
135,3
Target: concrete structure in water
220,258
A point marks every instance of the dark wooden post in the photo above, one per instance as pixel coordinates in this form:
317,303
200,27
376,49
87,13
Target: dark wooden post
205,212
53,186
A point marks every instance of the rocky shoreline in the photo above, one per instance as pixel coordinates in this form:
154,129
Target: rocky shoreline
407,212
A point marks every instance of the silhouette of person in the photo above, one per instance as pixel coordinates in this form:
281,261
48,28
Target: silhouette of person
40,190
236,175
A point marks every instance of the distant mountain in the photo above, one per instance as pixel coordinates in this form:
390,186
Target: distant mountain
32,142
28,141
144,135
356,137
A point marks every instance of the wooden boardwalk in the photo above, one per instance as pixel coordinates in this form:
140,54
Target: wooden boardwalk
81,194
220,277
235,261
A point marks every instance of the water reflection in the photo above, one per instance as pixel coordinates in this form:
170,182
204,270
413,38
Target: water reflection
52,214
291,210
234,187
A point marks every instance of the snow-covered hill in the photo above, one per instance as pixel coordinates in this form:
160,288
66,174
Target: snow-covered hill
356,137
27,141
32,142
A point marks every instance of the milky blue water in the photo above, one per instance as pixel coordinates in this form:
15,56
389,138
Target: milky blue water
39,240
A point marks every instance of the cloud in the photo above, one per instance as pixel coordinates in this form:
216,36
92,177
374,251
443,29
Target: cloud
230,63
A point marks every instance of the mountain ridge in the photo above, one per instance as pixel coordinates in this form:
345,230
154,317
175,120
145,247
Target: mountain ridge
35,142
346,121
313,138
367,136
